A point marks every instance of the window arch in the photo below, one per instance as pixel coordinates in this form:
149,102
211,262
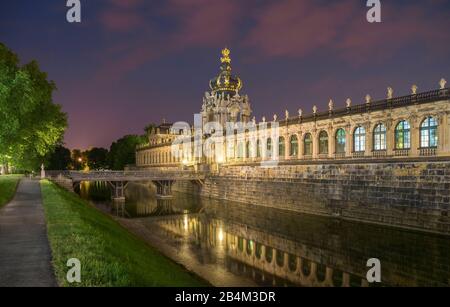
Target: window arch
403,135
247,150
340,141
323,142
281,147
307,144
240,149
379,137
359,139
293,148
428,133
269,148
258,148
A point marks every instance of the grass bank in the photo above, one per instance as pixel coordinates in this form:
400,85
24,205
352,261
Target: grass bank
109,254
8,186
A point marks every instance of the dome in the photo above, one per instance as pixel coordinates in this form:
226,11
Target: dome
225,83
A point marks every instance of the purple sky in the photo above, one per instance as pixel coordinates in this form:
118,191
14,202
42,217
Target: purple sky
133,62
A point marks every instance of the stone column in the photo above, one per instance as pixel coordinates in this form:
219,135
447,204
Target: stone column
390,138
331,143
415,136
348,142
443,134
369,140
315,147
300,145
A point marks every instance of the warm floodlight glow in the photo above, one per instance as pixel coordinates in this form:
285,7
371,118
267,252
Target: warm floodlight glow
221,235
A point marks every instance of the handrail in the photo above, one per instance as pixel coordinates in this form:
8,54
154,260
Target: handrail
115,175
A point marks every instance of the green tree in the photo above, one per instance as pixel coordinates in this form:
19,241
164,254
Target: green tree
30,123
97,158
59,159
149,128
123,151
78,159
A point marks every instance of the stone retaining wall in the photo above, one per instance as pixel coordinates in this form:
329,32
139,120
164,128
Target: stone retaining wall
405,194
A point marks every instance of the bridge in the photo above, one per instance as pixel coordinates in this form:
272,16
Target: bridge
118,180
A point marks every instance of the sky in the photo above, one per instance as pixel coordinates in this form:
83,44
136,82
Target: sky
134,62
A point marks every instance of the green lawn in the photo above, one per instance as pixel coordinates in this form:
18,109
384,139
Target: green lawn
109,254
8,184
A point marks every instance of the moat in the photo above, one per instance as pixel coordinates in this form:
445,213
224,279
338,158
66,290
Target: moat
233,243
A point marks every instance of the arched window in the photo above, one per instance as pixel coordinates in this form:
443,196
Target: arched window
293,148
323,142
379,137
403,135
281,147
258,149
247,150
307,143
240,149
269,148
340,141
359,139
428,133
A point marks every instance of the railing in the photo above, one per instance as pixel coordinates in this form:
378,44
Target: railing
379,153
401,152
339,155
430,96
358,154
127,175
426,152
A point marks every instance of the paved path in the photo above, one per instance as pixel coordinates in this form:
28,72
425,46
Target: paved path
25,258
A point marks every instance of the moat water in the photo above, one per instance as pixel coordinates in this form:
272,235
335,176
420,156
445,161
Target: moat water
238,244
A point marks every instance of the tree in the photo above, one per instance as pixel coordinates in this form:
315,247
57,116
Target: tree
149,128
78,159
30,123
59,159
97,158
123,151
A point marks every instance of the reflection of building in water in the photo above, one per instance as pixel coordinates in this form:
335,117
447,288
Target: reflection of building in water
263,261
307,251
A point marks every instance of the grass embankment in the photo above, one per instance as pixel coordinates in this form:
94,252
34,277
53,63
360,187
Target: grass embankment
8,185
109,254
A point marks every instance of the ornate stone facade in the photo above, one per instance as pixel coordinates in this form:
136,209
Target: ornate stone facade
382,161
411,126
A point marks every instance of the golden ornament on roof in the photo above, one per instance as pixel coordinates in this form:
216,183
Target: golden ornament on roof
226,56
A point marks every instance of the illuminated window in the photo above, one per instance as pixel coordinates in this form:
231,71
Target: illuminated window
340,141
359,139
281,147
307,142
379,137
258,149
240,149
269,148
403,135
293,148
323,142
428,133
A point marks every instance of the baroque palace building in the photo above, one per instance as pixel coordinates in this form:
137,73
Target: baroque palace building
414,126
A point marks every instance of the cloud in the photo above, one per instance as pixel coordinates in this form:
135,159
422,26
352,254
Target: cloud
297,28
196,23
119,20
203,22
127,3
290,28
400,27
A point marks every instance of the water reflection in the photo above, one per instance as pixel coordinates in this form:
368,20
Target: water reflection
279,248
